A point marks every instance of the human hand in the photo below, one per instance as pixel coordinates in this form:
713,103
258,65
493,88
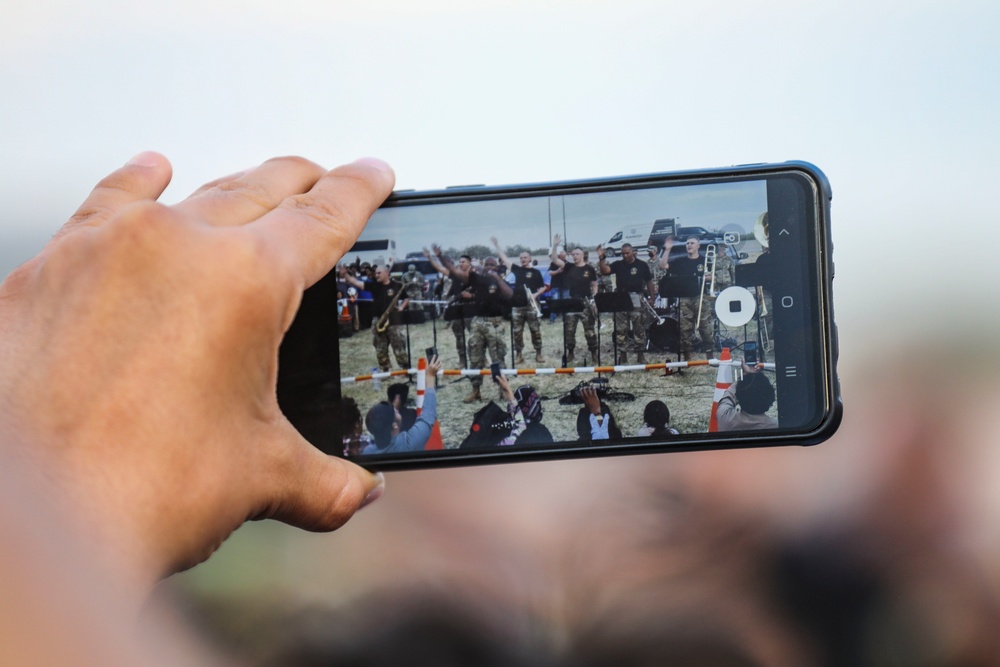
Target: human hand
431,371
504,385
600,252
139,357
556,239
591,401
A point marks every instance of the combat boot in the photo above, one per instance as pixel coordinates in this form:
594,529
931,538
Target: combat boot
473,396
538,357
569,358
622,359
519,359
593,356
640,358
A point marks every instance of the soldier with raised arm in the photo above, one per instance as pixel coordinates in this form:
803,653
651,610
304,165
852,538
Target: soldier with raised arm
459,300
491,296
527,280
387,301
688,276
580,281
632,277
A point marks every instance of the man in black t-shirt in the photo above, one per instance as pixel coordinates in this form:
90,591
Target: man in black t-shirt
527,279
491,296
459,311
632,277
687,275
386,298
579,282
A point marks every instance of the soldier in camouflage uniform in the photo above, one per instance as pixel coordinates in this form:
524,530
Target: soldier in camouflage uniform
384,291
527,279
725,268
580,280
491,296
414,284
459,299
632,277
689,272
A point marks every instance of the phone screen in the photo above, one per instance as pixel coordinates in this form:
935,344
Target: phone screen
643,288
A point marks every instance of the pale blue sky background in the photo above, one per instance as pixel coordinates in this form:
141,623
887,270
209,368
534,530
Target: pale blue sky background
896,101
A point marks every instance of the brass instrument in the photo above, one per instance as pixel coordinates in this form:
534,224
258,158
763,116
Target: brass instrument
710,257
533,302
382,324
761,230
765,335
652,311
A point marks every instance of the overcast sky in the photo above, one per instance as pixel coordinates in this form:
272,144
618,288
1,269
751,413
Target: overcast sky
896,101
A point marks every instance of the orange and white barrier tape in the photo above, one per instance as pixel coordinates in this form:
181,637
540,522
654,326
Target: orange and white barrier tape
578,370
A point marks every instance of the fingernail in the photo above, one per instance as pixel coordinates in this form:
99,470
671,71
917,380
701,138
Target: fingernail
375,493
381,165
146,159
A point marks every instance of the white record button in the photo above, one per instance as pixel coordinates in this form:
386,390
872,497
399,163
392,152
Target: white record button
735,306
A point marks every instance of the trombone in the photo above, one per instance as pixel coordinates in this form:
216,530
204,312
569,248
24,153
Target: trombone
709,270
533,302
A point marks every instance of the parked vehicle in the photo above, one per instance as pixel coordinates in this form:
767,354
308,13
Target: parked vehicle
641,236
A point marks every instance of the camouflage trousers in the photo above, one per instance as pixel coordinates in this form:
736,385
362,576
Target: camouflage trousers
631,326
688,312
518,316
458,327
589,320
391,336
486,333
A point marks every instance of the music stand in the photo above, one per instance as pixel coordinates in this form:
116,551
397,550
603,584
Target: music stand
563,306
687,287
612,302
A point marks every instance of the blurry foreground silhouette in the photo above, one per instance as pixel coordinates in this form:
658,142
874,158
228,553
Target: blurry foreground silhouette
880,547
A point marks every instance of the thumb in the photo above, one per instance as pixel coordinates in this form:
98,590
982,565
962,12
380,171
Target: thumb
315,491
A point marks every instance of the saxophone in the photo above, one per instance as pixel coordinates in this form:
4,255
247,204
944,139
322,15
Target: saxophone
382,324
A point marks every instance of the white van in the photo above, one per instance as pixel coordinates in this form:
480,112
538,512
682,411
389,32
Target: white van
641,236
374,251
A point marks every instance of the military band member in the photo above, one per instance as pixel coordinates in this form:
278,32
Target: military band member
632,277
579,282
414,284
688,273
527,278
384,291
492,297
655,271
460,297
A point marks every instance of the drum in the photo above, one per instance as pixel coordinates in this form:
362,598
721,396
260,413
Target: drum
664,336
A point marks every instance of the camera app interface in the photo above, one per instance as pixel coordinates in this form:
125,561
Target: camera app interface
574,318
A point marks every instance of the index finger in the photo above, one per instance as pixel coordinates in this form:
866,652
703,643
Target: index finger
322,224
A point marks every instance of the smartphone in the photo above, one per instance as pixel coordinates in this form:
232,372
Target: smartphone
750,352
430,353
495,370
743,260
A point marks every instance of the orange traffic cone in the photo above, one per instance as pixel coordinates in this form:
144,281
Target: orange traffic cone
434,442
345,314
723,380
